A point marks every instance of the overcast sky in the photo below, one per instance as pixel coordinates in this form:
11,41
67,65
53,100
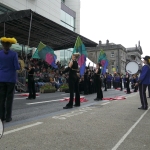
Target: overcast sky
120,21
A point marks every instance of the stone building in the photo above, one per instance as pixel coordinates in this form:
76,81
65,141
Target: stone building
117,55
134,54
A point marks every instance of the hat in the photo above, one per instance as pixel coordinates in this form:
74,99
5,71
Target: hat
8,40
147,58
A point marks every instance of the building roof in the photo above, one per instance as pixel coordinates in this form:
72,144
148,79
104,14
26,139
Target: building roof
17,25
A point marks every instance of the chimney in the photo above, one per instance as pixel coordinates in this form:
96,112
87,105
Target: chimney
100,42
107,42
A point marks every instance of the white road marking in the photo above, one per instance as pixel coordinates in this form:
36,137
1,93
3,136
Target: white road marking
105,103
129,131
22,98
64,94
22,128
73,113
44,102
24,93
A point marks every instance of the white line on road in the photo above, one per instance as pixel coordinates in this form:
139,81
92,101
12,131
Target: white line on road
22,98
22,128
44,102
129,131
24,93
105,103
64,94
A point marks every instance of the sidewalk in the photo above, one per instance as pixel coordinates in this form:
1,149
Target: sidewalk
101,126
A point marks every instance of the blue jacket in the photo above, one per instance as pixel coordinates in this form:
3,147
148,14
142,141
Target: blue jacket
145,75
8,66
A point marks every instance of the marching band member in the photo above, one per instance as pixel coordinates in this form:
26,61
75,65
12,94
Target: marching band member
127,84
8,66
120,82
148,91
143,82
73,81
31,82
98,83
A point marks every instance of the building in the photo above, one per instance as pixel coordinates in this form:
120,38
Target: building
117,55
63,12
134,54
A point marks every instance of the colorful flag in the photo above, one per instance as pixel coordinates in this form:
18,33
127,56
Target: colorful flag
47,53
35,55
103,61
80,48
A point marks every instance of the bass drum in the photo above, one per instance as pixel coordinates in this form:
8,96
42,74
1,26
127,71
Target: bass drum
132,67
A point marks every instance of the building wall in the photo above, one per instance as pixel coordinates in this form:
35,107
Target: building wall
51,9
75,5
47,8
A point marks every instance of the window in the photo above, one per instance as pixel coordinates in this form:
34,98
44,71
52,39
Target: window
112,66
113,63
67,21
112,54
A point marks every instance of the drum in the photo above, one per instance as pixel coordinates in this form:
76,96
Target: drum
1,129
132,67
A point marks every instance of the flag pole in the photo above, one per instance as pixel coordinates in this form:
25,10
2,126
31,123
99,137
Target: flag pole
29,35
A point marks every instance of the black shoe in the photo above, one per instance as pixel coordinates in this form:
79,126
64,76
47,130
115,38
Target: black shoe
3,119
9,119
76,105
67,107
97,99
141,108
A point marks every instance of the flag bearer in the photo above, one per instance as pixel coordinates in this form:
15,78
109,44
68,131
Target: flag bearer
98,83
73,81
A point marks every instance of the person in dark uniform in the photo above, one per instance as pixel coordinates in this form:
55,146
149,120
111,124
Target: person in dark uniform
134,81
143,82
31,82
73,81
148,91
8,66
124,81
105,82
121,82
98,83
127,84
86,81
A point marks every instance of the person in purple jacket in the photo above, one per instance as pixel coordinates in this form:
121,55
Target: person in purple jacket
143,82
8,66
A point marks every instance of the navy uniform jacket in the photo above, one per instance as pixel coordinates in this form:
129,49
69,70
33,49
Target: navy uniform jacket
145,75
8,66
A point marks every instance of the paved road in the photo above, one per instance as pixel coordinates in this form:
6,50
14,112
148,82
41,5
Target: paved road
105,125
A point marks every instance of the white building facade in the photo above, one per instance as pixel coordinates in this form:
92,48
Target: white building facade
63,12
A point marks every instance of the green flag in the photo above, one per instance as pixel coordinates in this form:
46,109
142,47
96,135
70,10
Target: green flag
35,55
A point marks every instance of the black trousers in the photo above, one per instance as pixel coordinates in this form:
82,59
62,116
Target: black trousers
124,84
6,99
85,86
74,87
128,88
98,89
31,88
142,92
105,86
149,90
109,84
121,86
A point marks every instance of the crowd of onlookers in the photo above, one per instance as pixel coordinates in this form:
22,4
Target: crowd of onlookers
44,73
